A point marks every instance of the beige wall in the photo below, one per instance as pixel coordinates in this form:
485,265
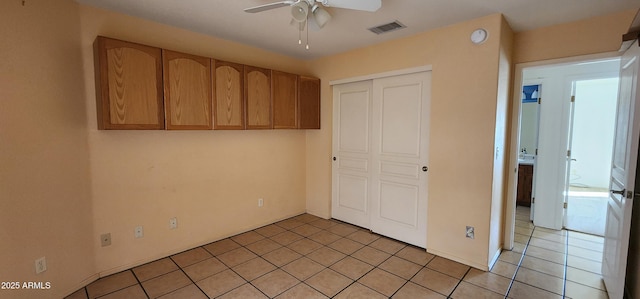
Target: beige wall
589,36
463,113
45,200
209,180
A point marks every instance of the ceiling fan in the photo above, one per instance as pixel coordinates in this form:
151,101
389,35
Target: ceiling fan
302,9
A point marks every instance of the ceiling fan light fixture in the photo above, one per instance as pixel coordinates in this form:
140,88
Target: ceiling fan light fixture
320,15
299,11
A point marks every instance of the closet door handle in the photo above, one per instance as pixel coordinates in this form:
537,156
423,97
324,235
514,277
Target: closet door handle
620,192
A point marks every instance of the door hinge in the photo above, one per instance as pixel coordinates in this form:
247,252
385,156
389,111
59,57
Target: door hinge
536,152
565,205
533,200
573,99
568,153
539,100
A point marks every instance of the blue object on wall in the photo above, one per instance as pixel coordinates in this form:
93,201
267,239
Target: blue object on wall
530,93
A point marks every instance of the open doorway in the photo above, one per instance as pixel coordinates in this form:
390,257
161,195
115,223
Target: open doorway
590,150
551,162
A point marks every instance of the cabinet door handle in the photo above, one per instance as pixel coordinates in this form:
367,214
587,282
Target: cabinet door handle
425,168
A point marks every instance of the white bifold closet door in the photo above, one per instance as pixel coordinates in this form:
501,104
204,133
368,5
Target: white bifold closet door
380,153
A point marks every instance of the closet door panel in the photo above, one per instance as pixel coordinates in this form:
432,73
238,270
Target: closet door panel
351,153
399,153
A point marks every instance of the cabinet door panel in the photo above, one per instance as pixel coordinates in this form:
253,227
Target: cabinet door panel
228,91
284,94
187,83
257,95
309,103
129,85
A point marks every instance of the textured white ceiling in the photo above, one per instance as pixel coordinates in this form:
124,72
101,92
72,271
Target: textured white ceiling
347,30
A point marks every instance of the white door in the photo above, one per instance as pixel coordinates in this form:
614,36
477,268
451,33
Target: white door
351,153
380,135
400,136
623,174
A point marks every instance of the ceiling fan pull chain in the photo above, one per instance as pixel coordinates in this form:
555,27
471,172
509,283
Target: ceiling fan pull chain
307,25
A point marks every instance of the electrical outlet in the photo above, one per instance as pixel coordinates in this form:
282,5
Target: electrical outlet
173,223
138,232
260,202
470,232
105,239
41,265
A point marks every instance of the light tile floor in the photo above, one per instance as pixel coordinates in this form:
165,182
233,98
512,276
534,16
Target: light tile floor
309,257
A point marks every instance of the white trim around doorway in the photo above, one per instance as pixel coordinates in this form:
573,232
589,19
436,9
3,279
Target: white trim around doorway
509,223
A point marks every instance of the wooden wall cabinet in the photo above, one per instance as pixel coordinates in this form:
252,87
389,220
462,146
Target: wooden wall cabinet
525,185
257,97
228,103
187,91
143,87
308,103
128,85
284,95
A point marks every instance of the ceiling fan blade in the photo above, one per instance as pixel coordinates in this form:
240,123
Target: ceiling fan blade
365,5
269,6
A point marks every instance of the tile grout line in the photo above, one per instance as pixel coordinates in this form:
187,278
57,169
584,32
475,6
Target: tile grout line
566,261
374,266
414,275
524,251
189,277
109,293
276,266
363,275
459,282
305,256
140,282
301,256
349,255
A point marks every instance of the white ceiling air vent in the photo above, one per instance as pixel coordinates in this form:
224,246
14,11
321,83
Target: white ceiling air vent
384,28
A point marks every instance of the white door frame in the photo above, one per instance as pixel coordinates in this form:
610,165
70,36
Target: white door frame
371,78
419,69
573,80
510,215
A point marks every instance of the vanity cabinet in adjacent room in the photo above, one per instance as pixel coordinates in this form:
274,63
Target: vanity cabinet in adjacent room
525,185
